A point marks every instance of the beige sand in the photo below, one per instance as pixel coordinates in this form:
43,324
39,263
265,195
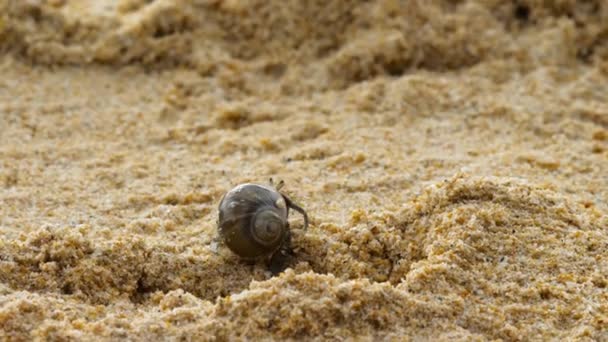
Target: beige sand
452,155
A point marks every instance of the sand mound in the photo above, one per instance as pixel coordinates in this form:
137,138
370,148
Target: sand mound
452,156
515,253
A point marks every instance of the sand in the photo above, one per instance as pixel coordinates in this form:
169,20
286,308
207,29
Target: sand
452,157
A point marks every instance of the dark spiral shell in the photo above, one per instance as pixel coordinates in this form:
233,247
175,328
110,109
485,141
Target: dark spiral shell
253,220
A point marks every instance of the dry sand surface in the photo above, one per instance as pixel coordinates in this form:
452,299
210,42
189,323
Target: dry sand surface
452,156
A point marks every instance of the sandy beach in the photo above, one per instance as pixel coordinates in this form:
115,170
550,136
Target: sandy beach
452,157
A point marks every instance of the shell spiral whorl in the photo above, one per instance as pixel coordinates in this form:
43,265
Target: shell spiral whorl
267,226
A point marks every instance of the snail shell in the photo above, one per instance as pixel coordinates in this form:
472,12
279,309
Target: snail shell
253,220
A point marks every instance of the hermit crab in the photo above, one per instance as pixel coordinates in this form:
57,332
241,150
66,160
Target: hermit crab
253,223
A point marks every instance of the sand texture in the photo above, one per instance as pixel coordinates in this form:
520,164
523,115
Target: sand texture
452,157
